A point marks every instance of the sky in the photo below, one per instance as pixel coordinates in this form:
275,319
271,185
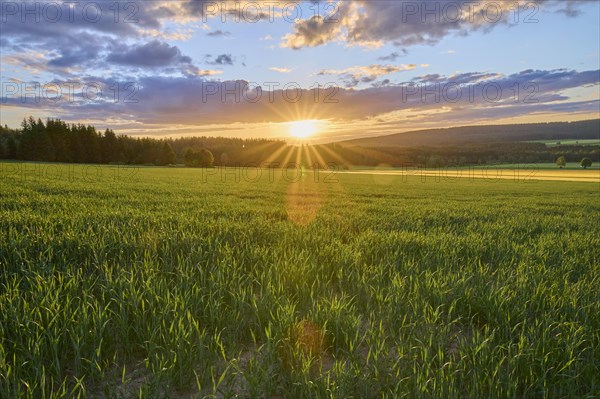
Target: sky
261,69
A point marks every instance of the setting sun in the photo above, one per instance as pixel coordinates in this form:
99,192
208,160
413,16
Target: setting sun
303,129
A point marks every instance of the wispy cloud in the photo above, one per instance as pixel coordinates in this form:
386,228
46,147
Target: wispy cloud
206,72
219,33
280,70
394,56
366,74
222,59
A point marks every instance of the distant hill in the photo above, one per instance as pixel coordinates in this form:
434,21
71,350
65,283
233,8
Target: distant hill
580,130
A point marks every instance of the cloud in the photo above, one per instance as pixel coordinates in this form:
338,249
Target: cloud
197,101
69,58
223,59
150,55
32,61
204,72
356,22
371,70
182,34
61,54
280,70
85,16
394,56
408,23
459,78
248,11
219,33
365,74
76,40
570,8
311,33
91,33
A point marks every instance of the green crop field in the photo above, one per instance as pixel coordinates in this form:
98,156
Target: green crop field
156,282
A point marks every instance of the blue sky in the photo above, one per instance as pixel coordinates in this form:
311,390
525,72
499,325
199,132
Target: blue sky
554,42
178,51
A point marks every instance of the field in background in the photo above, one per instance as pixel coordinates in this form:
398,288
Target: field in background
158,282
556,143
545,166
516,173
526,168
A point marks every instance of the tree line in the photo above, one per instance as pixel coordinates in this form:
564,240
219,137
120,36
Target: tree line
58,141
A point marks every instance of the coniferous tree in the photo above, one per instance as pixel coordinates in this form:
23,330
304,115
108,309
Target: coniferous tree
11,148
167,156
